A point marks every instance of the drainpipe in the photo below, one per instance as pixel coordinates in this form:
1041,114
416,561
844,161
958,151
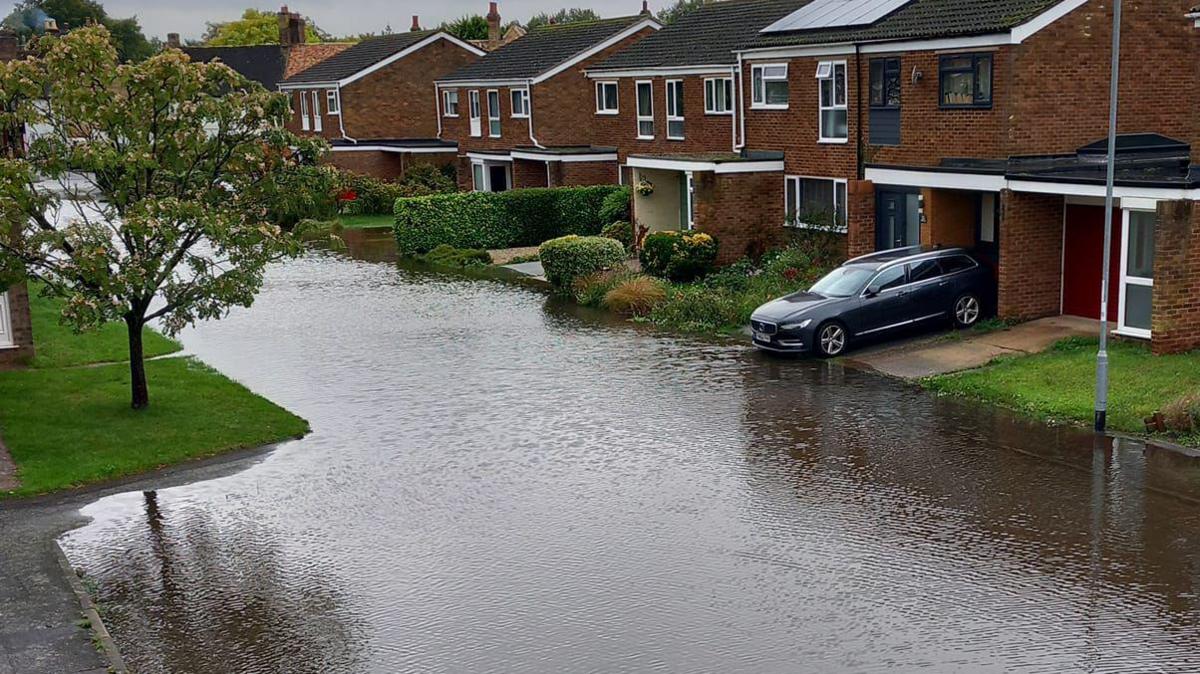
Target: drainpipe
733,122
858,88
437,107
533,139
342,117
740,141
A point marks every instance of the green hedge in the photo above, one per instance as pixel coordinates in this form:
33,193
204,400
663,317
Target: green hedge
570,257
490,220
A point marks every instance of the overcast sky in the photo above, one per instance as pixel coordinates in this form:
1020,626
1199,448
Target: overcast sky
187,17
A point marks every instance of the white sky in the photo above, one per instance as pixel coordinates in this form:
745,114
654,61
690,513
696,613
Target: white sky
188,17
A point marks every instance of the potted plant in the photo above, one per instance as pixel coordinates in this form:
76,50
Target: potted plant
644,187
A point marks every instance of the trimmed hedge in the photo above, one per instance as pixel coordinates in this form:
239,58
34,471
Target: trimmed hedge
678,256
490,220
617,206
570,257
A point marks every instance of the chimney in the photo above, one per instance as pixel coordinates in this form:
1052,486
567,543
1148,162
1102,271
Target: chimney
173,41
9,47
493,21
50,26
645,7
416,25
291,27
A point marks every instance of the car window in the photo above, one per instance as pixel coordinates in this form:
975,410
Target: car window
890,278
843,282
957,263
925,270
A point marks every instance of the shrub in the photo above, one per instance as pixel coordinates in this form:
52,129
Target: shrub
1183,415
449,256
678,256
635,296
590,290
698,309
567,258
621,230
365,195
498,220
304,193
616,207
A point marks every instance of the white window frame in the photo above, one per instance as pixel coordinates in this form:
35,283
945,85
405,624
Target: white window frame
7,338
333,101
674,94
475,110
446,103
601,99
788,208
494,115
522,96
485,169
710,94
318,123
637,90
305,122
829,69
1126,280
760,103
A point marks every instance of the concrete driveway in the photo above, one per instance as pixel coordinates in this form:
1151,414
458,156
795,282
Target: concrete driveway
946,353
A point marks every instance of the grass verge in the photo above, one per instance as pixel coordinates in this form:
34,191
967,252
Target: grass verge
1059,385
59,346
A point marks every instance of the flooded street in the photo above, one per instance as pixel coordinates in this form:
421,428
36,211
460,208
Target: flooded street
497,483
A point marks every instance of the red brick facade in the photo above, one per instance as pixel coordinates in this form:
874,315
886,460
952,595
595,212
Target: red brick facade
386,165
1176,313
743,211
1031,252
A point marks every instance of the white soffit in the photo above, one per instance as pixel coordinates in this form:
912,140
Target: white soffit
835,14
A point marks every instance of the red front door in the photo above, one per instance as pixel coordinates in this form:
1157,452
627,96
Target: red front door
1083,260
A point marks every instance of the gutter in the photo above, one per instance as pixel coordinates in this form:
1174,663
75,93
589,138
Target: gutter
739,141
532,138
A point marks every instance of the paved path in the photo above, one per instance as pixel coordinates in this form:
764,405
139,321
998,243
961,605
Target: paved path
531,269
942,354
503,256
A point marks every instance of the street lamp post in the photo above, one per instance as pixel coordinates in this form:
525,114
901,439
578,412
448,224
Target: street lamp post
1102,356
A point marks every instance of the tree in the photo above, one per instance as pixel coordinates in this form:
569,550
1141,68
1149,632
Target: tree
676,11
143,196
471,27
255,27
572,15
28,19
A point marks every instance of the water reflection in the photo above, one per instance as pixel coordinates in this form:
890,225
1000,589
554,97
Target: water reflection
499,482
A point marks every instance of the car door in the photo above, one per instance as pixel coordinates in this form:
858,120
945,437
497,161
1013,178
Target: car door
882,304
930,291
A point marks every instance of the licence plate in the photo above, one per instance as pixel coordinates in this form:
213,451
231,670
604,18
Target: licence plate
762,337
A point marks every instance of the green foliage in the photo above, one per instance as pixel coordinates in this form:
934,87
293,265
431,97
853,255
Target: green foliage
470,27
572,15
307,192
617,206
497,220
621,231
676,11
636,296
1183,415
567,258
678,256
358,194
320,231
28,19
58,345
255,27
590,289
449,256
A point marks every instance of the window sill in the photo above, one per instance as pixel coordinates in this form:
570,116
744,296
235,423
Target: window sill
520,117
608,113
676,138
763,106
719,114
832,141
1132,333
819,228
646,137
450,116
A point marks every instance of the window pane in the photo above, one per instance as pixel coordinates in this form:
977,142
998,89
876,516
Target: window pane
840,193
826,87
1141,244
957,63
758,86
775,71
645,105
675,129
727,87
793,186
646,128
477,170
839,84
834,123
777,92
923,271
892,83
956,89
983,79
890,278
1138,306
877,75
816,206
676,107
710,102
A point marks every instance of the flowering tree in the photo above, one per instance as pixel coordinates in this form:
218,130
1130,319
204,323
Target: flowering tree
145,191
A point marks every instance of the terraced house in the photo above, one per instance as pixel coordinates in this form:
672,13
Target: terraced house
521,116
374,101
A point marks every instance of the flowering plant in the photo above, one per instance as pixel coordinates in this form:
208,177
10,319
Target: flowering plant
644,187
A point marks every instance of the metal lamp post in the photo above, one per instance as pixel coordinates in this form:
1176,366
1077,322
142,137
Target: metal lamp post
1102,356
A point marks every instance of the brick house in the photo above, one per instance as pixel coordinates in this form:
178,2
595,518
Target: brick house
522,115
16,329
668,105
372,101
955,122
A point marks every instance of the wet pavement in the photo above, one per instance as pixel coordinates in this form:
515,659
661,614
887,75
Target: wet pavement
497,482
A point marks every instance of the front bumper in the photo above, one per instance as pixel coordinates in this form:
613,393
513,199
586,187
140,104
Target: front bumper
784,341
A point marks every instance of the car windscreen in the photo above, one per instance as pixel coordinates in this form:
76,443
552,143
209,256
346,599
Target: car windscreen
844,281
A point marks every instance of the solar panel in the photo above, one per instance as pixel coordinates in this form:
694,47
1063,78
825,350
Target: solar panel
835,14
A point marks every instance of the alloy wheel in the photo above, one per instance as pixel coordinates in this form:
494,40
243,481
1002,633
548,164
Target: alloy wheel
833,339
967,310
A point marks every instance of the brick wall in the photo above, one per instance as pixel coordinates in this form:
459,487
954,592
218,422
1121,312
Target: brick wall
1176,317
385,165
330,129
702,132
22,329
950,218
1030,279
527,173
514,131
860,217
742,210
580,174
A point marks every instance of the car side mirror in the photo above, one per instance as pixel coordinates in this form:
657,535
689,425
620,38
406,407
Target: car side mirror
873,290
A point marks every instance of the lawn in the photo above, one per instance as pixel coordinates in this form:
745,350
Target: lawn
68,425
1060,384
367,221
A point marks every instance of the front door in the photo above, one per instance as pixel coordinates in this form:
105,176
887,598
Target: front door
898,220
1137,273
6,334
1084,261
498,177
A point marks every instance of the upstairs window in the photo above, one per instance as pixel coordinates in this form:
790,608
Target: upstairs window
675,109
769,86
885,83
645,109
493,98
450,103
831,76
304,121
718,96
966,81
333,102
520,102
606,98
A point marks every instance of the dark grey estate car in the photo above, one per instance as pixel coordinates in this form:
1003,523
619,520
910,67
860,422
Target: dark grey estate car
874,294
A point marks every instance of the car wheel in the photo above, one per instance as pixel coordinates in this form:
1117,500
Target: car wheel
967,311
832,340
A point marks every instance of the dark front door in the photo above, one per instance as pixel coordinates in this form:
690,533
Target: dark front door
498,176
898,220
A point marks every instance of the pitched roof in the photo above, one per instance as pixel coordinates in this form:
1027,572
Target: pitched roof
301,57
921,19
264,63
359,57
541,49
706,35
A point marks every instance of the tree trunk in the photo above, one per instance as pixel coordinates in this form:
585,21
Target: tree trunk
137,365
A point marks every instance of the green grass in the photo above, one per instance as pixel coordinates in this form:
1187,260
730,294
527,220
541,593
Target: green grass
1060,383
365,221
70,427
59,346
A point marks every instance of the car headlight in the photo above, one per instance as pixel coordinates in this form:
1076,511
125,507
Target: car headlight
797,326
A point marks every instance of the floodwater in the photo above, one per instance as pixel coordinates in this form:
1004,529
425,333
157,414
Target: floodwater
497,483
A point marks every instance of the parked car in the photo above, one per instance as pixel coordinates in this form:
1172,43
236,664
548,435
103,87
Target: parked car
873,295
